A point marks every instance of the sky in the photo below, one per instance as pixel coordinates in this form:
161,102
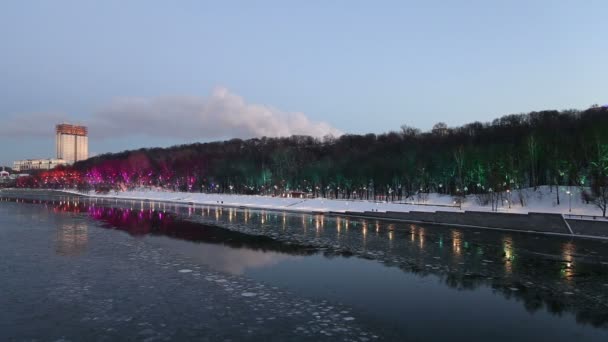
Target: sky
158,73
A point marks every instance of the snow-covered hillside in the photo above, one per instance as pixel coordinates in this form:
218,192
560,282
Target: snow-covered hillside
543,199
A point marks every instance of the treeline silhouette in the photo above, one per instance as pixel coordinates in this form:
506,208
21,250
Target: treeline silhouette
523,150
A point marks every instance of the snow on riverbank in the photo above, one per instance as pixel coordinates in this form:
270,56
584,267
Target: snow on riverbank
543,199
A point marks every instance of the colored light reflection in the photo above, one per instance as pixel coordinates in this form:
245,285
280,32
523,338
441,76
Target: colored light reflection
567,267
456,242
508,251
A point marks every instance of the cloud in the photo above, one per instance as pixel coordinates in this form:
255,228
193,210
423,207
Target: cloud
221,115
37,125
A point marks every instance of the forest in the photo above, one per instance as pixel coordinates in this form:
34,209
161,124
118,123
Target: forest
557,148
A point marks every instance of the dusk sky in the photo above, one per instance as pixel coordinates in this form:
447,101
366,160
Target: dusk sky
159,73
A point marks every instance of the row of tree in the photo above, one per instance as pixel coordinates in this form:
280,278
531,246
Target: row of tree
524,150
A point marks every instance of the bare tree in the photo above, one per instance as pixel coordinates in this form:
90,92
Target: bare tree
409,131
532,146
440,129
600,175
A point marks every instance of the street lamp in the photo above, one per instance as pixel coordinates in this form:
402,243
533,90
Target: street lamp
569,200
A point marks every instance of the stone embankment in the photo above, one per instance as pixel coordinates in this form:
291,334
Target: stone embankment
544,223
533,222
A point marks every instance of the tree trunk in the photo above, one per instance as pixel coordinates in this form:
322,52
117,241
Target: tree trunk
557,191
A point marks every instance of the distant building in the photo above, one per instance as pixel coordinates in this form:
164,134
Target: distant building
72,143
37,164
4,177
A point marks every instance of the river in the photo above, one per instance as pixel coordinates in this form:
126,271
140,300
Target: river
77,268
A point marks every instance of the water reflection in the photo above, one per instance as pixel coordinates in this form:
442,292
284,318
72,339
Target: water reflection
509,254
151,222
223,249
72,239
456,242
568,268
421,236
364,233
540,271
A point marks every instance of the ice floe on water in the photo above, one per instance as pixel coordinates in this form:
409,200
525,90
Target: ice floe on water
200,303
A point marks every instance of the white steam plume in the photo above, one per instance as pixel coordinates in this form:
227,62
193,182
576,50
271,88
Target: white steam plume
222,115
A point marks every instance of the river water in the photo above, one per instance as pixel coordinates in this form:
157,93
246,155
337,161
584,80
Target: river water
75,268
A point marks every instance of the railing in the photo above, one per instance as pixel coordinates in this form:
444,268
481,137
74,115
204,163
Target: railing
586,217
428,204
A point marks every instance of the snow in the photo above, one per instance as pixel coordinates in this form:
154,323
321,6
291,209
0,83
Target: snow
541,200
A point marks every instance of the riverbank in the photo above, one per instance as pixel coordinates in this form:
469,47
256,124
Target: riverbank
540,214
549,219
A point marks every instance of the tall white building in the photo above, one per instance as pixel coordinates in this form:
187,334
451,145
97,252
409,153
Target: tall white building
72,143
